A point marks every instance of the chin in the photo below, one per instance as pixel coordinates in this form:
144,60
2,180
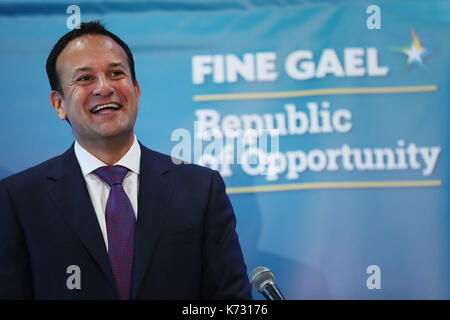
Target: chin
117,133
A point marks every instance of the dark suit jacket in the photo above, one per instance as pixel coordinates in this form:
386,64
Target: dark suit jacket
185,243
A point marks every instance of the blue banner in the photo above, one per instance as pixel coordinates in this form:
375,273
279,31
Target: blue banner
328,121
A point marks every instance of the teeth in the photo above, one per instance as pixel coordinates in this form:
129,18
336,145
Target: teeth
104,106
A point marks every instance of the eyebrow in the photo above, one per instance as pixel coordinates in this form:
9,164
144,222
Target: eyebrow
116,64
111,65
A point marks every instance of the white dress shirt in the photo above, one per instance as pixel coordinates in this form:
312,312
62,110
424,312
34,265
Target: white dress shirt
99,189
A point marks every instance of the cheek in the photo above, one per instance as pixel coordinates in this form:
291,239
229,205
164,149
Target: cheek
79,100
127,94
76,104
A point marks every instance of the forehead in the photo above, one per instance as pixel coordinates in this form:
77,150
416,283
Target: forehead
91,51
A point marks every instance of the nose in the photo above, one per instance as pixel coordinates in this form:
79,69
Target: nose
102,86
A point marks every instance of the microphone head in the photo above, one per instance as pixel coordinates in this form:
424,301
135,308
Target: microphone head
260,276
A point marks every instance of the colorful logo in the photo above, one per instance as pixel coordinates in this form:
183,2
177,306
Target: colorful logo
415,53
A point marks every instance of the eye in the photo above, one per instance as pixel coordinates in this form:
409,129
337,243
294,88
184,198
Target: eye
84,79
117,73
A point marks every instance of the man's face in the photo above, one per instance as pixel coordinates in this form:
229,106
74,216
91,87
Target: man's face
99,97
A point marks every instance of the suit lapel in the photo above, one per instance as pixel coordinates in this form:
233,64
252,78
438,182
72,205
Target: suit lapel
71,197
154,198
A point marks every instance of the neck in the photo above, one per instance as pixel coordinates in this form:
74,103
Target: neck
109,150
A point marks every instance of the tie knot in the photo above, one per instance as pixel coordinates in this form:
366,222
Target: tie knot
112,174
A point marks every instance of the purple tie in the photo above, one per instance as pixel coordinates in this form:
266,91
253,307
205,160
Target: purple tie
120,221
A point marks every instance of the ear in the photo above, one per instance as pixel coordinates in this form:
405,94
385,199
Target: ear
138,91
57,102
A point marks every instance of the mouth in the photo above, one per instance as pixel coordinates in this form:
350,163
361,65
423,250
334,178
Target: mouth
105,108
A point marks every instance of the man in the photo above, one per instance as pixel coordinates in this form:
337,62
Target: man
109,218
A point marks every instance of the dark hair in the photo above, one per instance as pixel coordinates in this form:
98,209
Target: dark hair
93,27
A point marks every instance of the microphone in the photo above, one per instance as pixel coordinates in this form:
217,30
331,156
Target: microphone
263,280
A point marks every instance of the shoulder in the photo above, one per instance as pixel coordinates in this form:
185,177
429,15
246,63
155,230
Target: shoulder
34,176
185,172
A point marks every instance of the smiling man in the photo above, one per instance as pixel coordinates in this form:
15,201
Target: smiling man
109,218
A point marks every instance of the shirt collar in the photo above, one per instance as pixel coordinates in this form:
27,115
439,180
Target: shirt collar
88,162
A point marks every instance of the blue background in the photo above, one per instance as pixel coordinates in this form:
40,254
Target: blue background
318,242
